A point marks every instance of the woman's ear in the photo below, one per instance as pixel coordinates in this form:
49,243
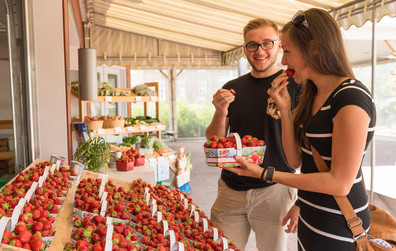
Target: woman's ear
314,47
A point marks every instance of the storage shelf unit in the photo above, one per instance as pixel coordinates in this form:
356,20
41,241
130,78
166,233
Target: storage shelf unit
132,98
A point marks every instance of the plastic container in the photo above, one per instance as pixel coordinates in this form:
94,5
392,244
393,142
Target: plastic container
140,161
122,166
221,157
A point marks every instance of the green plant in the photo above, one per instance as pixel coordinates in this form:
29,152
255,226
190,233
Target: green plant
94,153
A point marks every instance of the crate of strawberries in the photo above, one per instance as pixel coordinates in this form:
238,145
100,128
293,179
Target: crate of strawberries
221,151
129,159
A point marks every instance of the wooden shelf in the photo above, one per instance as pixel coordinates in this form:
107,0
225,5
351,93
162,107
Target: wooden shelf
133,98
6,155
130,129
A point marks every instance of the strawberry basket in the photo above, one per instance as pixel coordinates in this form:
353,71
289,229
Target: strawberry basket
221,151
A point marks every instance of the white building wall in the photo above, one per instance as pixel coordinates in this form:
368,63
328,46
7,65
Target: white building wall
49,49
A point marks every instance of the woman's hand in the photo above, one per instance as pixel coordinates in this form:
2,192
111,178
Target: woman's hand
279,93
292,218
246,168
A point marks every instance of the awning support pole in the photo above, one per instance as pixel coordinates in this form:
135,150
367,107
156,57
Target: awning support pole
373,67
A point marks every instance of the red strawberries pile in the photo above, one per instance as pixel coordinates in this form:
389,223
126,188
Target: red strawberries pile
230,142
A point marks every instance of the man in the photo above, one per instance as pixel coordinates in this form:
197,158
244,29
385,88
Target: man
243,203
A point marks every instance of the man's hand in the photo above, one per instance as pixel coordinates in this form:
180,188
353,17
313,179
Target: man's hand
292,215
221,100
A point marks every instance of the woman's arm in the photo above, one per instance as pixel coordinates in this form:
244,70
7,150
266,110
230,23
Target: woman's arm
349,140
282,98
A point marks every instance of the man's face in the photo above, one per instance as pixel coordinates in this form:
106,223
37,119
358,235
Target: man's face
262,61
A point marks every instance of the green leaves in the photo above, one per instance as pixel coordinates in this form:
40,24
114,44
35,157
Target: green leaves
95,153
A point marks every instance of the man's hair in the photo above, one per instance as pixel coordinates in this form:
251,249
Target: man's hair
258,23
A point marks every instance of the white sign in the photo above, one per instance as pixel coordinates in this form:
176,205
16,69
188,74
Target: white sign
153,98
143,128
101,131
117,129
108,99
138,98
130,128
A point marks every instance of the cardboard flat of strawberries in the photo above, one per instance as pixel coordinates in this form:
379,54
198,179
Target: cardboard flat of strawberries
63,223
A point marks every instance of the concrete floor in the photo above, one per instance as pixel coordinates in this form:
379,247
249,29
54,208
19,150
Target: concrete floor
204,179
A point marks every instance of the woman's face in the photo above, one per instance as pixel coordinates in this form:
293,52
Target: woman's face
293,58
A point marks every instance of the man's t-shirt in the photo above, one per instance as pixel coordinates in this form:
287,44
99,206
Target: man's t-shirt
247,116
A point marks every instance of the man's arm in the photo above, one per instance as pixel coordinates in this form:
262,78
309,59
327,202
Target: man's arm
218,126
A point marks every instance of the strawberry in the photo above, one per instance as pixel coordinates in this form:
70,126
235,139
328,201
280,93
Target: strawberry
20,228
16,243
289,72
213,144
97,247
207,144
228,144
24,237
213,138
220,145
232,91
37,226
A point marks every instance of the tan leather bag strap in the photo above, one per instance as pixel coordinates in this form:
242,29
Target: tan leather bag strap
353,221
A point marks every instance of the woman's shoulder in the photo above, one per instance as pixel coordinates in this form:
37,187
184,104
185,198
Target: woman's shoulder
351,87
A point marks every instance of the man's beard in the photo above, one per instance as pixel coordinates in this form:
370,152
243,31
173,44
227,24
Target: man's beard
271,63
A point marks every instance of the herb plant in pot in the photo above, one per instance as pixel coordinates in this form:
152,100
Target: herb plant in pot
94,153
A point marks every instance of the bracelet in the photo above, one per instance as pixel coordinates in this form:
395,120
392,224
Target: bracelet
270,174
262,174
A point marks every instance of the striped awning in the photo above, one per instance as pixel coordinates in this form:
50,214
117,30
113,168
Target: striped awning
197,33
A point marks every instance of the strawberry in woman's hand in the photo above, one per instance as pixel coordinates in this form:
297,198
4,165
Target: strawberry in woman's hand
232,91
289,72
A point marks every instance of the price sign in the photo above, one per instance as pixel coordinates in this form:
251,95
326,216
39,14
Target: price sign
108,98
153,98
172,157
139,98
130,128
101,131
117,129
143,128
160,127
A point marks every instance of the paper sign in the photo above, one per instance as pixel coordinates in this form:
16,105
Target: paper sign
109,238
40,181
46,169
15,216
138,98
143,128
117,129
5,223
103,208
181,197
225,244
104,197
108,99
163,169
172,157
130,128
185,203
101,189
54,166
159,216
165,225
215,233
22,202
192,209
147,198
196,216
153,98
153,209
109,220
159,127
101,131
205,224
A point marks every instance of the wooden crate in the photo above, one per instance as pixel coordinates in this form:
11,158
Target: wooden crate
7,163
4,143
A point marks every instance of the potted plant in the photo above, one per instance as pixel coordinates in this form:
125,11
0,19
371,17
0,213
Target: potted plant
94,153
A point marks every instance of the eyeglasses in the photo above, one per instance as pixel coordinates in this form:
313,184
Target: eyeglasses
300,19
265,45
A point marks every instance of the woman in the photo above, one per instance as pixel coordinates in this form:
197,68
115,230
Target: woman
335,115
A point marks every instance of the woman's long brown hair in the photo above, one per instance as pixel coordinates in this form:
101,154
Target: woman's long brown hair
323,49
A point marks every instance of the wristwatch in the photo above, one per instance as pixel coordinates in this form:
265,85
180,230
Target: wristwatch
270,174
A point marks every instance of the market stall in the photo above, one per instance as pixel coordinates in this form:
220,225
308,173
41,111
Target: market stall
76,208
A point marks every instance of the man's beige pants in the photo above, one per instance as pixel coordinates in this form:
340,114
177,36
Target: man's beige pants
261,210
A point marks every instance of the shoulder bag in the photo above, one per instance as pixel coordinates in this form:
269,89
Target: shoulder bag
382,233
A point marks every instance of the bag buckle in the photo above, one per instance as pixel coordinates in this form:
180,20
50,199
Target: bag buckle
352,224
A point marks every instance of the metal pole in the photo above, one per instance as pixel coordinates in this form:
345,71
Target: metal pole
373,67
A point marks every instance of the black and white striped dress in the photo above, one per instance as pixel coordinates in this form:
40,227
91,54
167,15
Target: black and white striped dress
321,225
